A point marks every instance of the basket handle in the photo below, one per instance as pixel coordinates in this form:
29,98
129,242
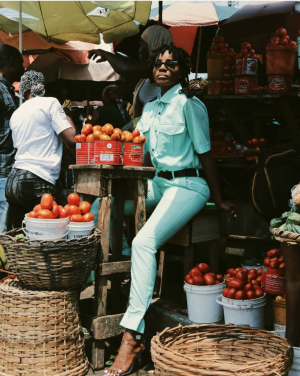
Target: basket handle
43,240
248,306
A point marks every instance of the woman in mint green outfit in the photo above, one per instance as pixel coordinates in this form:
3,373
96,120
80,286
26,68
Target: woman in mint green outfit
177,132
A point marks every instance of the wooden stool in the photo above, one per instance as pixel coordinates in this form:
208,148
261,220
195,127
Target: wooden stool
122,183
204,227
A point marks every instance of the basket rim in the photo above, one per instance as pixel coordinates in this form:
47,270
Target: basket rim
285,236
19,290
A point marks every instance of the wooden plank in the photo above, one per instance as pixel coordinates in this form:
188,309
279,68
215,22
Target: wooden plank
235,251
115,267
188,259
182,237
107,326
88,182
205,227
140,204
213,255
160,273
112,167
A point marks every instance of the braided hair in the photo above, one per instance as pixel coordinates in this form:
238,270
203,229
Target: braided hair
33,82
179,54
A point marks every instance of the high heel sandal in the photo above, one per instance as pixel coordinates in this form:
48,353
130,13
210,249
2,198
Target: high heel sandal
134,356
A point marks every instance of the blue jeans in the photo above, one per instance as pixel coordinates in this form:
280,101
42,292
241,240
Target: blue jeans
3,205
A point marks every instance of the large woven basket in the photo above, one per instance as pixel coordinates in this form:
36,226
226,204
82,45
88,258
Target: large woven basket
51,265
220,350
40,333
285,236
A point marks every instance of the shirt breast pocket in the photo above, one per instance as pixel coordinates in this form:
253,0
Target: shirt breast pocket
171,138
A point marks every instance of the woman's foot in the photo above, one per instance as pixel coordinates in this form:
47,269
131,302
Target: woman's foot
130,351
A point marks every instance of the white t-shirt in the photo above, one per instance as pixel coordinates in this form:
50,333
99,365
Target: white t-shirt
35,128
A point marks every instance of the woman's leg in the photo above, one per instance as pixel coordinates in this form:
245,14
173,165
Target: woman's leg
177,206
291,254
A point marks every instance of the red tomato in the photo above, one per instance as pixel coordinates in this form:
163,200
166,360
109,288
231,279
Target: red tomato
255,282
273,253
97,128
77,218
187,277
88,217
240,295
77,138
251,294
227,275
85,207
45,214
253,270
97,135
212,274
194,272
259,272
281,32
55,210
137,140
90,138
129,137
217,282
236,284
245,270
63,213
204,268
118,130
47,201
73,209
249,143
66,207
135,133
74,199
274,263
218,40
231,293
283,42
82,138
219,277
259,292
254,141
244,51
259,279
115,136
239,55
246,45
225,292
242,276
108,129
251,277
249,287
281,266
237,269
274,39
233,273
32,214
105,137
262,142
87,129
198,280
143,139
37,208
190,281
267,261
209,279
257,150
281,259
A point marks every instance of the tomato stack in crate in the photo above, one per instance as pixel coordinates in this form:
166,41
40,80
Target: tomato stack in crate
281,59
109,145
246,70
273,278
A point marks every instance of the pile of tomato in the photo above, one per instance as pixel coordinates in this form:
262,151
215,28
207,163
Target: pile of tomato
201,276
108,132
282,39
244,284
274,259
219,47
48,209
247,51
223,148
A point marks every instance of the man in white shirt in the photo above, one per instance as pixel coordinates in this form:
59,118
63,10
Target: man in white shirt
39,129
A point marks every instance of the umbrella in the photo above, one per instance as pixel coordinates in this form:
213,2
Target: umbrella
62,21
184,19
257,23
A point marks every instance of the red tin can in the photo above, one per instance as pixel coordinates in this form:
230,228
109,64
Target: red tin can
246,66
108,152
214,86
273,281
280,84
244,84
133,154
85,153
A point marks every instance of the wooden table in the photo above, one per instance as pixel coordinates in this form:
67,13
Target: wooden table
122,183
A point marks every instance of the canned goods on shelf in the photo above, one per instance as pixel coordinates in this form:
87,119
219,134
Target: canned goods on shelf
244,84
246,67
279,84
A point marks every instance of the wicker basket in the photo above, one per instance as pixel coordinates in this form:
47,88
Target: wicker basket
285,236
40,333
220,350
51,265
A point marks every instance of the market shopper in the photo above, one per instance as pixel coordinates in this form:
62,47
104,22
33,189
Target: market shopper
39,129
11,70
177,132
145,91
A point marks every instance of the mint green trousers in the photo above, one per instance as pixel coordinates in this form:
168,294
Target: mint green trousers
174,203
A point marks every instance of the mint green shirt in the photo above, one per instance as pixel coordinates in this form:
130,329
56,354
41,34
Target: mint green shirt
177,130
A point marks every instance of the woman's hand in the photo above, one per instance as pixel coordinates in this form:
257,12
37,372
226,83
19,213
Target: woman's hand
228,207
94,54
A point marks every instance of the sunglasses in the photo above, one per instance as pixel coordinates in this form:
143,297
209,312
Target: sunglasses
168,64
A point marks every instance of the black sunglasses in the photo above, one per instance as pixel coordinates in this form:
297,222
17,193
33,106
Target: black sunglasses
167,64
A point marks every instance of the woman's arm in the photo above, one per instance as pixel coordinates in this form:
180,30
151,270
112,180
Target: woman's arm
123,66
211,174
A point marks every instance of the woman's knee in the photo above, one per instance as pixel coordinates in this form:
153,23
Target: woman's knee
141,243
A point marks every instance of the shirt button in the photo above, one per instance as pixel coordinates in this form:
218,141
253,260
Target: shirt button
159,113
152,149
155,130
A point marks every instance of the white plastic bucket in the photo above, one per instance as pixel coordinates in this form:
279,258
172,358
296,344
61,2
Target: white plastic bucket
295,370
80,229
252,267
243,312
201,302
46,229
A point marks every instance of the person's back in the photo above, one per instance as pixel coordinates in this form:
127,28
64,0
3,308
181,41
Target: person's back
35,129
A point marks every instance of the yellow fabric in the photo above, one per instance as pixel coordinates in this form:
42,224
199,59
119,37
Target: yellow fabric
62,21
